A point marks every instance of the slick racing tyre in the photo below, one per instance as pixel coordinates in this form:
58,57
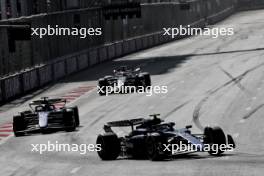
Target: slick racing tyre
214,136
153,148
19,125
146,79
102,83
110,146
76,116
69,121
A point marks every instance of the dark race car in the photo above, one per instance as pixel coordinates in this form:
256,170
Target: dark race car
155,140
124,77
44,116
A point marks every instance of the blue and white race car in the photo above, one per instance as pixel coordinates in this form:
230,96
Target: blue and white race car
155,140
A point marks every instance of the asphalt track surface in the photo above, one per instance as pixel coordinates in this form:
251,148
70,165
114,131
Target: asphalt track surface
210,82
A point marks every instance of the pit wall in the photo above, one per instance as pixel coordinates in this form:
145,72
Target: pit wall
120,38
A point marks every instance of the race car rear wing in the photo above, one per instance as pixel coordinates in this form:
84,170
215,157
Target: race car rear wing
145,123
47,101
123,123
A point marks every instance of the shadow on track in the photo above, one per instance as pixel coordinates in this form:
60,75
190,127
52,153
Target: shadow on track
153,65
181,157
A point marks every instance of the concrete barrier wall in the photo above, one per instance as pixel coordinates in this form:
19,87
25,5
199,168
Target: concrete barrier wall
141,34
93,57
250,4
45,74
103,54
71,65
83,61
30,80
119,49
11,87
111,51
59,69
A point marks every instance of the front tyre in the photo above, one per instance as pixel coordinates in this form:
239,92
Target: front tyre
110,146
76,116
102,84
19,125
69,121
153,148
215,136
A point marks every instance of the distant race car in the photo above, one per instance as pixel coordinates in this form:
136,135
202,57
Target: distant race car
124,77
44,116
155,140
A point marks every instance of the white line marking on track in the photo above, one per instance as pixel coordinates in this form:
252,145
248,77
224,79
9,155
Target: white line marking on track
73,171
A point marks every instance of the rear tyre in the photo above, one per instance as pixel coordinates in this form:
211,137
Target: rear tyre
215,136
146,79
110,146
19,125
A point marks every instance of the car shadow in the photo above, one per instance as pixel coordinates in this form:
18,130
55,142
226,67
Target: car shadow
47,132
181,157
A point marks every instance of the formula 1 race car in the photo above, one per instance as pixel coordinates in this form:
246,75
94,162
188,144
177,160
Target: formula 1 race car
44,116
155,140
124,77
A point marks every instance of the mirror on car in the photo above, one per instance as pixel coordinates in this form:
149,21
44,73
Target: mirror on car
188,126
